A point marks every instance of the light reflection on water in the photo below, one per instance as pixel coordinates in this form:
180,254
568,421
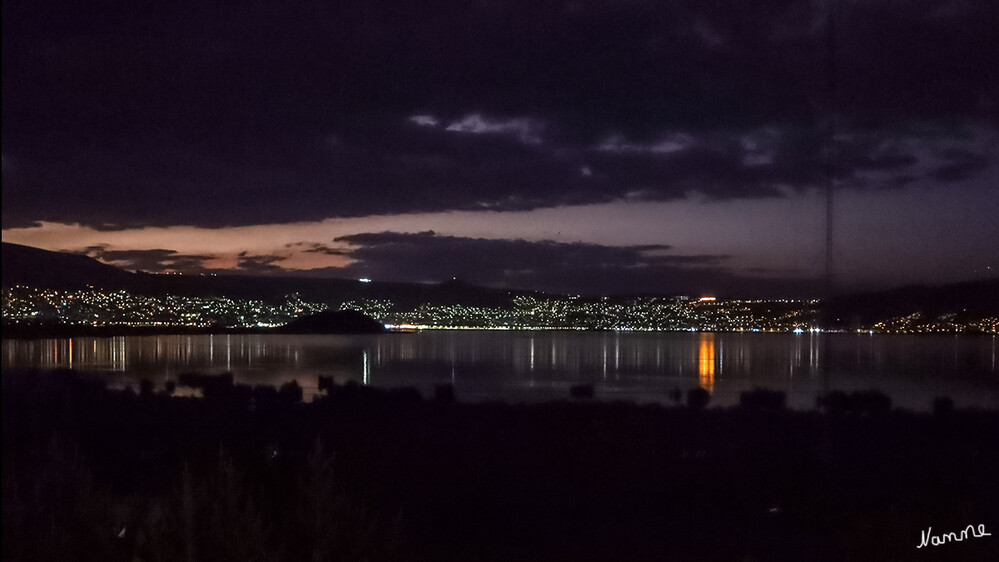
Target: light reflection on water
527,366
706,362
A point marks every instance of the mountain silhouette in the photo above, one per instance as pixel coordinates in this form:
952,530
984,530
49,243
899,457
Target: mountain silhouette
34,267
972,298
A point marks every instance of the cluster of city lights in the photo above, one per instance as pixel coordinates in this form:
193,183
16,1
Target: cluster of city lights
949,323
97,307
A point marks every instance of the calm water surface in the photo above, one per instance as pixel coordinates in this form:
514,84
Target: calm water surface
533,366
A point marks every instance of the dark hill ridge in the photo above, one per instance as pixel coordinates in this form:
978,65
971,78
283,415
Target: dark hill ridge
333,322
34,267
23,265
973,298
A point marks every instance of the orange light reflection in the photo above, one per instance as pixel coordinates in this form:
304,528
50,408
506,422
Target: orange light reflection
706,362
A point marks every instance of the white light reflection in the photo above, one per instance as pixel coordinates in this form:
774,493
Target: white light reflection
531,364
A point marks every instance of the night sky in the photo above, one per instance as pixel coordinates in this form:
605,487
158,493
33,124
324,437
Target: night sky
580,146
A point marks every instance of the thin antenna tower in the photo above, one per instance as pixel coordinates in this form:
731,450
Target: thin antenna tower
830,149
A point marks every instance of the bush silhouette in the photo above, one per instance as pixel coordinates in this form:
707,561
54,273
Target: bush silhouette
326,384
444,392
763,399
265,397
868,402
698,398
872,402
943,405
581,391
290,393
675,395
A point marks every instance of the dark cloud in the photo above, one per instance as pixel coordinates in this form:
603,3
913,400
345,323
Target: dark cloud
960,165
317,248
153,261
213,114
550,266
259,264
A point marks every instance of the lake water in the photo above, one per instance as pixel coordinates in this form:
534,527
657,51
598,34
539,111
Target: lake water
535,366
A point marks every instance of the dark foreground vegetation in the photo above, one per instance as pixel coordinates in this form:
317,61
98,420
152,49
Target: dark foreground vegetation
364,474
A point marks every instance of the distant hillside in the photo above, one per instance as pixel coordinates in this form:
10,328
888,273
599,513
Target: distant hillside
975,298
333,322
23,265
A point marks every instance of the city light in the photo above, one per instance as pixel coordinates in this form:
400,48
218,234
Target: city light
98,307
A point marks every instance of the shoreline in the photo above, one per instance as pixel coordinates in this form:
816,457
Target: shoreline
29,332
